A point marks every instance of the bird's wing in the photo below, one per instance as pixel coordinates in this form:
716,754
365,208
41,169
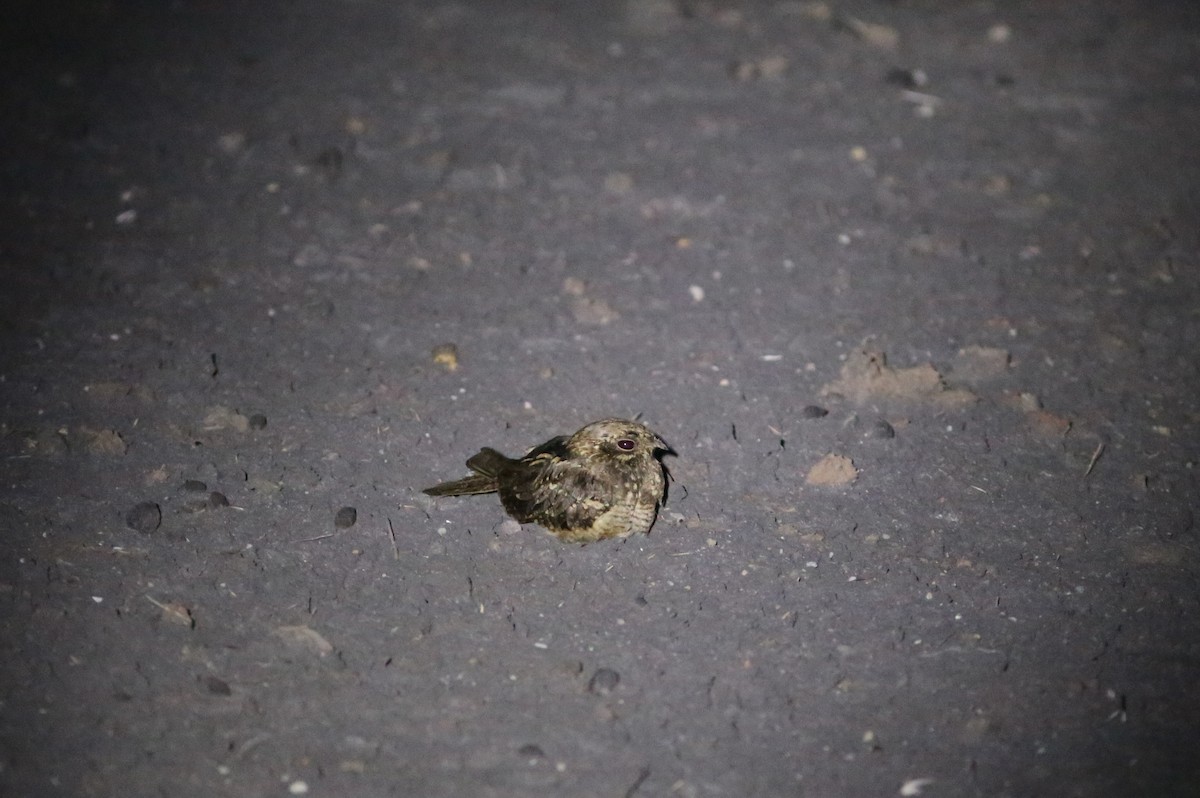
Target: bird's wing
555,449
555,491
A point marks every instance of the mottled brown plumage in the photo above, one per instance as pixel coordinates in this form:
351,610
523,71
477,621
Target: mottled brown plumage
607,480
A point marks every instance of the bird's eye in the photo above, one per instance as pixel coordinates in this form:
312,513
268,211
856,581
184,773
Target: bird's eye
626,444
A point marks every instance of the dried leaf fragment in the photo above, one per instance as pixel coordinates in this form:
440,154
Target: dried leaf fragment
884,37
867,377
103,441
977,363
588,310
832,469
593,312
306,637
220,417
174,612
446,355
769,68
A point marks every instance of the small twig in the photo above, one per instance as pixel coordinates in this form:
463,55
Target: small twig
249,745
633,788
392,532
1095,457
318,537
921,98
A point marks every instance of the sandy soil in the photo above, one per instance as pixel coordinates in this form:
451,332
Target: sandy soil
912,288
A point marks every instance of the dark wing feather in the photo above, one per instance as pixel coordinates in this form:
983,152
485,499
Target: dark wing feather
525,479
555,448
489,462
556,492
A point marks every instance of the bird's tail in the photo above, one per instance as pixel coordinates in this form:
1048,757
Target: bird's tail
467,486
486,465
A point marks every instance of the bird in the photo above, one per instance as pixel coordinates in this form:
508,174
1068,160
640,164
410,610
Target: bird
607,480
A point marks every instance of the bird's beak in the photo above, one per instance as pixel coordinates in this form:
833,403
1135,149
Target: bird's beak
663,447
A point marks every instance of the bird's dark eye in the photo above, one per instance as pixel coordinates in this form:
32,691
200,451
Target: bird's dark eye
626,444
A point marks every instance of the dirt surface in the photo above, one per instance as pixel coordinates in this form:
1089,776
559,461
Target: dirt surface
911,287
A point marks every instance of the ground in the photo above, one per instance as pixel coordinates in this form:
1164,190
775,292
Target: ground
911,288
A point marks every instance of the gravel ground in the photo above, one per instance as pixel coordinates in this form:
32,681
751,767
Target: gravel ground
911,288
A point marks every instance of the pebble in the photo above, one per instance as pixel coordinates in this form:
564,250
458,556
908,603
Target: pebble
907,78
194,486
531,751
311,255
603,681
345,518
883,429
217,499
218,686
814,411
195,506
145,517
258,421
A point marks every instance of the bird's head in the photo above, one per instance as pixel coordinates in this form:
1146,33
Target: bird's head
620,439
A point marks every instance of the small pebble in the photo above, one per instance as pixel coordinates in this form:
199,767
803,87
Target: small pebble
618,183
814,411
232,143
195,506
218,686
907,78
258,421
345,518
882,429
145,517
330,160
217,499
531,751
603,681
999,33
194,486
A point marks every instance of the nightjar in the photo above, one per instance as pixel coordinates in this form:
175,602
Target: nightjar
607,480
